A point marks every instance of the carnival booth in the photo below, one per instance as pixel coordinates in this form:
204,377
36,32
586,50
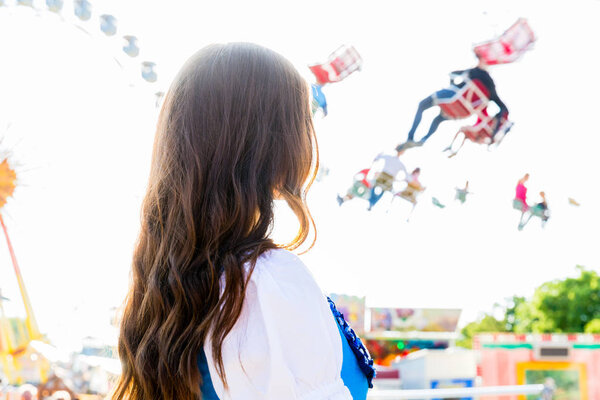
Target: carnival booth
392,333
438,369
397,332
569,362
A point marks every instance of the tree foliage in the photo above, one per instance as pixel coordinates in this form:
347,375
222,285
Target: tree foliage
570,305
485,324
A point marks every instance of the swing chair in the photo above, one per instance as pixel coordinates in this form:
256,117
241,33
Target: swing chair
507,48
341,63
520,205
482,132
461,195
471,99
410,194
361,187
318,100
535,211
527,212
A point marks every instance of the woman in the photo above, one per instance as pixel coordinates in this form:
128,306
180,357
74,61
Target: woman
216,309
520,200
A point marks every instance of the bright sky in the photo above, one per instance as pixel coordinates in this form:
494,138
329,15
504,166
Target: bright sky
81,138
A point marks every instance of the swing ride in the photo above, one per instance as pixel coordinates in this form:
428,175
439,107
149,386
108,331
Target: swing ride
469,95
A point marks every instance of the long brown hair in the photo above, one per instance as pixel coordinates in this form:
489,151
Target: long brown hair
234,133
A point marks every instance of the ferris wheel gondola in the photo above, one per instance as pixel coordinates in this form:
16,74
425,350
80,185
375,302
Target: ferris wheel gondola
81,19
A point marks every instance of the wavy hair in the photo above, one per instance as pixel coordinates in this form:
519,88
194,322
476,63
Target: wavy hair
235,132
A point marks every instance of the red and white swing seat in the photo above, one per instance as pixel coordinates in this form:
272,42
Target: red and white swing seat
341,63
471,99
482,131
507,48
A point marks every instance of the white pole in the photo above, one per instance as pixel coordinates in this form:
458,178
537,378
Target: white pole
453,393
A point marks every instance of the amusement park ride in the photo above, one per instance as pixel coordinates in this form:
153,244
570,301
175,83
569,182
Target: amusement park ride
20,338
16,356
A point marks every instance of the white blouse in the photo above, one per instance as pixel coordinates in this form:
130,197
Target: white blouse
286,343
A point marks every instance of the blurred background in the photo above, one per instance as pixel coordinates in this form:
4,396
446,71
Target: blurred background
81,84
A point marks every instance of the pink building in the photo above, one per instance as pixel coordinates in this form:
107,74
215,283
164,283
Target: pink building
571,362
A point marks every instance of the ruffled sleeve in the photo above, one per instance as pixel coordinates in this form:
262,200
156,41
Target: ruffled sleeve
286,343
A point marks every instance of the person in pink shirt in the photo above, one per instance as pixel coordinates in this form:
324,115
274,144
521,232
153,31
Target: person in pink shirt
520,201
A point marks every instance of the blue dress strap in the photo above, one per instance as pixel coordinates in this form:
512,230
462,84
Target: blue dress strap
207,388
365,362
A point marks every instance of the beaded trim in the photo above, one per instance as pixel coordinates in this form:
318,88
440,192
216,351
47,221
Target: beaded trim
365,362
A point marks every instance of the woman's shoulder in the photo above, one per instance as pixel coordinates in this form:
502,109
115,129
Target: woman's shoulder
279,255
286,343
281,265
280,273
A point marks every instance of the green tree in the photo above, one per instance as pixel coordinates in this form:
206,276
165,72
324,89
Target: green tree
511,318
593,326
568,305
485,324
561,305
